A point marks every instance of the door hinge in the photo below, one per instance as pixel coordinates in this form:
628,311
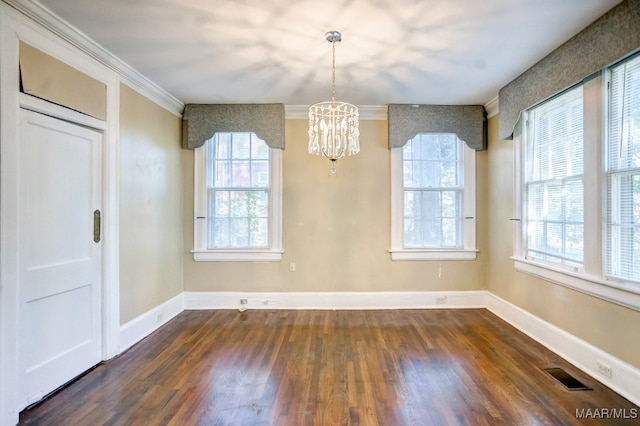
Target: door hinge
96,226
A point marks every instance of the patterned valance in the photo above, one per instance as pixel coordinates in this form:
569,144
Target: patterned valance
201,122
466,121
611,37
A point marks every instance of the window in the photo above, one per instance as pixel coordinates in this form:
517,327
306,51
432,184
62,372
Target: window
433,199
578,187
237,199
553,188
623,173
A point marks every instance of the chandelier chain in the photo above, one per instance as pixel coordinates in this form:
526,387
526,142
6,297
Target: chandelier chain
333,71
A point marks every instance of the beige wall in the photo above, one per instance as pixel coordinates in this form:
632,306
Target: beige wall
48,78
150,205
335,228
608,326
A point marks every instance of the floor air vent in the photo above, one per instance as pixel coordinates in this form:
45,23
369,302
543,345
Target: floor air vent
569,382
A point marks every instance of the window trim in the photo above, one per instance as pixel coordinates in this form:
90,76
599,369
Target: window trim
469,251
271,254
589,279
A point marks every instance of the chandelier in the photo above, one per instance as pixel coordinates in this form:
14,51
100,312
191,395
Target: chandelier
333,125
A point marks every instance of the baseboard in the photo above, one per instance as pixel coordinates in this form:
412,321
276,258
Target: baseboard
140,327
336,300
625,378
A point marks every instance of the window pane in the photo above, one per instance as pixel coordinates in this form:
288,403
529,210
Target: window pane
239,232
238,218
449,206
553,190
553,238
223,146
220,203
241,145
574,201
431,207
431,233
238,204
260,173
412,233
240,174
430,174
258,232
575,242
219,233
553,201
258,204
222,176
412,204
432,214
622,248
449,174
259,149
407,174
449,232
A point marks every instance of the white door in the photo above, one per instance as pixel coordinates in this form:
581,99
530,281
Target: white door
59,257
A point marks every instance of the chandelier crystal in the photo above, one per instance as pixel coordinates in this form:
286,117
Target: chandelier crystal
333,126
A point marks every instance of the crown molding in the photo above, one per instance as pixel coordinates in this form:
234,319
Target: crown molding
70,34
492,107
366,112
373,112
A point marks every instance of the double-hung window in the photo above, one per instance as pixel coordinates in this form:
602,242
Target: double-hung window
433,199
553,189
622,233
578,186
237,199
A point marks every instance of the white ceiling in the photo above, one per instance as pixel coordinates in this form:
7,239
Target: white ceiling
400,51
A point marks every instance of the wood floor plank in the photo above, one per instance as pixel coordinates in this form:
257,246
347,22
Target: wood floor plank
391,367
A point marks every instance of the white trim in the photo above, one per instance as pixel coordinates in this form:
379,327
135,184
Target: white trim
76,38
591,285
236,256
336,300
9,302
417,254
492,107
366,112
143,325
625,379
41,106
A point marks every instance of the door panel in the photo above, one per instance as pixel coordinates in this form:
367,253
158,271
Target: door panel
60,180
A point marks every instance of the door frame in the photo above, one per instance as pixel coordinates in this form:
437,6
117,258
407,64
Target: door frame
15,28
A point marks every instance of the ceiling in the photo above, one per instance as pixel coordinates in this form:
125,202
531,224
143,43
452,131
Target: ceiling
400,51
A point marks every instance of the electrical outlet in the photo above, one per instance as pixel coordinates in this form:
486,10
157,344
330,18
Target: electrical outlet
243,301
441,300
292,267
604,369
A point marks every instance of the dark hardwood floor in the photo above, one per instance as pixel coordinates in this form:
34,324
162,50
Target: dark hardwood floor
397,367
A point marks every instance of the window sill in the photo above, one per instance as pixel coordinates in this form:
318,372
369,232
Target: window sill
609,290
424,254
236,255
